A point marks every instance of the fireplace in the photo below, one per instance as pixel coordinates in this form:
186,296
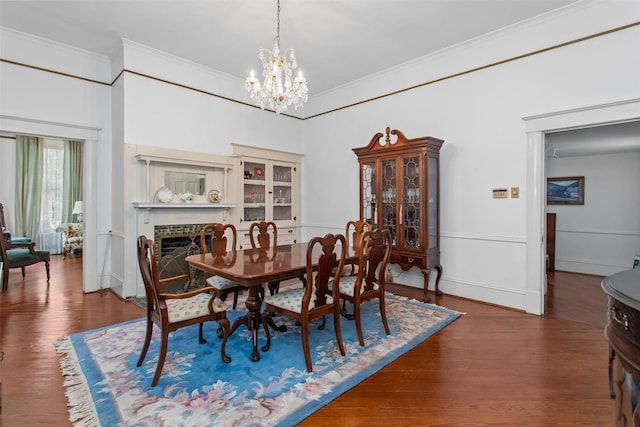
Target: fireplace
172,244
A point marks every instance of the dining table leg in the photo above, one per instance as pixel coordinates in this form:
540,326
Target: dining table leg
252,320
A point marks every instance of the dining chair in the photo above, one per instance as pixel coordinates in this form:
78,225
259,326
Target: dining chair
217,239
173,311
315,300
20,255
263,235
369,282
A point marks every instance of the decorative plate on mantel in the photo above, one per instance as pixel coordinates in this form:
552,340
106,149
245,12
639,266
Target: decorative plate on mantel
164,194
215,196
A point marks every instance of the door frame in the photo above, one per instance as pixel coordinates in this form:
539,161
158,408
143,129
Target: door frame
536,128
90,136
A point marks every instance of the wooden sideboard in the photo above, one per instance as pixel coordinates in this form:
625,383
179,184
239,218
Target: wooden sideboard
623,334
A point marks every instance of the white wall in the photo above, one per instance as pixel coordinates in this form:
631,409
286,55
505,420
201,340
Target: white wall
603,235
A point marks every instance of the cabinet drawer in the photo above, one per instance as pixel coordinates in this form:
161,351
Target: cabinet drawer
407,261
624,320
287,235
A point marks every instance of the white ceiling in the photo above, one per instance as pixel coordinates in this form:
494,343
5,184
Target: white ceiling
616,138
336,41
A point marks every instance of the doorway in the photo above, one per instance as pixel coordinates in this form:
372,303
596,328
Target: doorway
18,125
536,128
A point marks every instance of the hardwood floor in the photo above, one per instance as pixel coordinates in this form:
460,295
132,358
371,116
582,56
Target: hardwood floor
491,367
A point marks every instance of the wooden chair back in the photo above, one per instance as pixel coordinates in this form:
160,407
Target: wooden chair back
370,281
373,259
3,224
263,234
218,239
321,251
149,272
6,234
353,233
316,299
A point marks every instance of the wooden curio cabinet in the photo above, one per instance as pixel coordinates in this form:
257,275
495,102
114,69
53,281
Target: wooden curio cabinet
399,190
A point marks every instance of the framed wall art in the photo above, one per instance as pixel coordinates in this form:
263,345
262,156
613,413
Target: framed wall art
565,190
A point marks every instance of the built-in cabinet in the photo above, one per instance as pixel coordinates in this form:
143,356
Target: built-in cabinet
399,191
269,190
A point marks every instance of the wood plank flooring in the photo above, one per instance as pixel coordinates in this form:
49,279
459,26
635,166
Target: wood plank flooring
492,367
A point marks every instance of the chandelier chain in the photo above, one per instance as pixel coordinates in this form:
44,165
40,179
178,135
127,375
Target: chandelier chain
277,39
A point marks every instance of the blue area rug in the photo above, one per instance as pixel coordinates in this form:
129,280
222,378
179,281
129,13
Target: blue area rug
104,386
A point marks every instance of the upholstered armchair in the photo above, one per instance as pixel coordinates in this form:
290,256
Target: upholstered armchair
72,235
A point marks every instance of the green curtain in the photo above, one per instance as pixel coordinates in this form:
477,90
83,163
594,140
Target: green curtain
29,155
72,178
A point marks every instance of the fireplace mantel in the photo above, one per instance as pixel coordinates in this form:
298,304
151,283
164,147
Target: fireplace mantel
148,206
153,205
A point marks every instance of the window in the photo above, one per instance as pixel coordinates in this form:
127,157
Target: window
51,201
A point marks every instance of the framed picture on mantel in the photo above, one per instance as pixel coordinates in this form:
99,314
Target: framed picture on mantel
565,190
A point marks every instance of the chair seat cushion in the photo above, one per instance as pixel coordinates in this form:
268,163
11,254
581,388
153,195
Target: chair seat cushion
24,256
195,306
222,283
292,300
348,284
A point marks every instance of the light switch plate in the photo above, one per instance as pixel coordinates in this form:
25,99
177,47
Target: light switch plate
500,193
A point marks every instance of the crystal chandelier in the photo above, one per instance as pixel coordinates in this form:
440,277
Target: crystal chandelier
279,90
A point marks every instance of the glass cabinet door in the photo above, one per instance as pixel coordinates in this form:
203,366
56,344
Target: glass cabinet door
388,203
410,204
282,192
368,191
255,189
432,202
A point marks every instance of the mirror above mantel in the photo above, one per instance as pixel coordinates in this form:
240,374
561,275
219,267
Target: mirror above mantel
185,182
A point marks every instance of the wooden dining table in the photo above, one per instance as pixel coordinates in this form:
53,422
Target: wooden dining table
252,268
